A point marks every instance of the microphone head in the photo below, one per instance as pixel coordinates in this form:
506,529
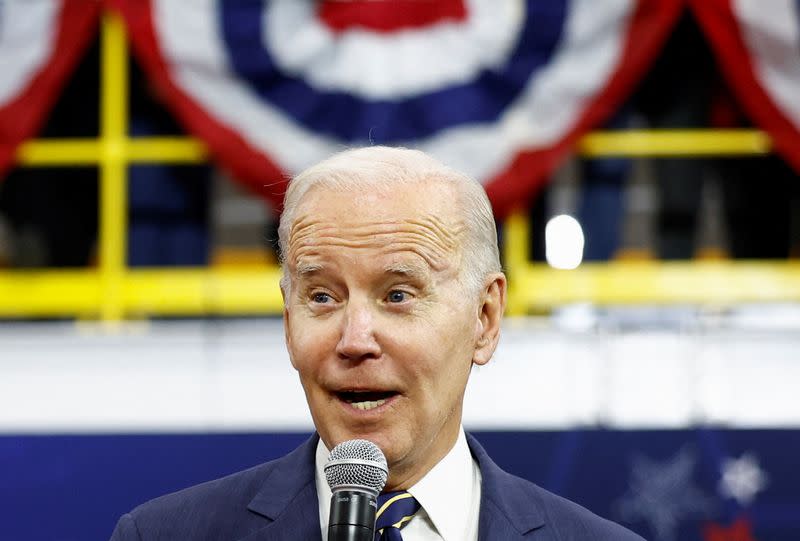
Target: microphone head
357,464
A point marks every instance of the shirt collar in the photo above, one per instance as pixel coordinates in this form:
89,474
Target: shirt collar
446,493
323,490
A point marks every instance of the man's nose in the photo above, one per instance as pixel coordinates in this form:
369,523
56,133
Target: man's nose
357,340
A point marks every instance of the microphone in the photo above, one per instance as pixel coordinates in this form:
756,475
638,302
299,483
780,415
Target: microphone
356,472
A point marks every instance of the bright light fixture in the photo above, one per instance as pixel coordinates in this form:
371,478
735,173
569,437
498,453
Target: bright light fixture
563,237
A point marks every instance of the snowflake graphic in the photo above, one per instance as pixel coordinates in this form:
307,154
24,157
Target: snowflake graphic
742,478
663,494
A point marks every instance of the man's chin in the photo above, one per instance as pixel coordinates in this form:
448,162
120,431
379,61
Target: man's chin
386,442
399,453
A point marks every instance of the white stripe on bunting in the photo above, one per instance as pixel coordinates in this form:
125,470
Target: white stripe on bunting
27,31
773,39
453,52
191,43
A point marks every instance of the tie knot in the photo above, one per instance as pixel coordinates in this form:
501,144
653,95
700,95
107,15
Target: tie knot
395,509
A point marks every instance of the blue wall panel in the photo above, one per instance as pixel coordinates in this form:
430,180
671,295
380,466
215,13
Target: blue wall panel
665,484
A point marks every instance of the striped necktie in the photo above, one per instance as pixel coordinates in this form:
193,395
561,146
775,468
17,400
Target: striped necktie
395,509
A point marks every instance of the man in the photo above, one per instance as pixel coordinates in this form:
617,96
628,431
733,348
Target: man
392,290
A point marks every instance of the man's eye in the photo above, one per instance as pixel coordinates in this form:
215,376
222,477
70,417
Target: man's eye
396,296
321,298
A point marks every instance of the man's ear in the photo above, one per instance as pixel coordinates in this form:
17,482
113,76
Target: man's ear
490,315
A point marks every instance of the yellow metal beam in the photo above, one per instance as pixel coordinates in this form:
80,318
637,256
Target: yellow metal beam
230,291
540,287
142,293
640,282
90,152
515,259
202,291
50,152
633,143
166,150
25,293
674,143
113,167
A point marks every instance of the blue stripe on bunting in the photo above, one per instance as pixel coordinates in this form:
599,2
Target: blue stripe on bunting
351,119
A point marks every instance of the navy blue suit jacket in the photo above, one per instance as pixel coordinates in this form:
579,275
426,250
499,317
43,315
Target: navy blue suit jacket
277,501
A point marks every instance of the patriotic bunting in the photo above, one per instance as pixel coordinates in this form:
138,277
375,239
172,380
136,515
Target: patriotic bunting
498,89
757,45
41,41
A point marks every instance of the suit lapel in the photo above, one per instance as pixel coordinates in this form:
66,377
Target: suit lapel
289,498
510,509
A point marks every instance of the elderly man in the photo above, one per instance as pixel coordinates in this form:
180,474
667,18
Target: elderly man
392,290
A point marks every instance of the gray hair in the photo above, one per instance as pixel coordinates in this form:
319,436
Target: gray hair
387,167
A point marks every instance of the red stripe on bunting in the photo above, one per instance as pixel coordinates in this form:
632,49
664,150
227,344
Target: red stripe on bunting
245,163
529,171
22,117
719,22
392,16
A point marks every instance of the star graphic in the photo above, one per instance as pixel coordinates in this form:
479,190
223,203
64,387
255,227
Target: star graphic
742,478
663,494
738,531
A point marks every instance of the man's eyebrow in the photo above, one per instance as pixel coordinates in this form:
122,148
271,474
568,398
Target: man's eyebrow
306,269
406,269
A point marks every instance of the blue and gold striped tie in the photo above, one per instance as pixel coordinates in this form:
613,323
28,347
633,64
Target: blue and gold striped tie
395,509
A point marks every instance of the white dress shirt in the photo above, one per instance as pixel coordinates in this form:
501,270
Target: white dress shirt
450,496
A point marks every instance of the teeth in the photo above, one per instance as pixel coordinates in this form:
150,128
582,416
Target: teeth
368,404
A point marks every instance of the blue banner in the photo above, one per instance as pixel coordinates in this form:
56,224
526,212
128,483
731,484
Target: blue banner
670,485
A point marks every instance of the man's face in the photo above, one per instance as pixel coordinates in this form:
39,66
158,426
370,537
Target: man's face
378,325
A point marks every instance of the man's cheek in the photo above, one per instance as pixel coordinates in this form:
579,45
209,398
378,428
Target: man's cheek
307,337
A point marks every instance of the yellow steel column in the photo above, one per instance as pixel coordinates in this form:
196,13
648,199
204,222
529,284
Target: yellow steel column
515,252
113,166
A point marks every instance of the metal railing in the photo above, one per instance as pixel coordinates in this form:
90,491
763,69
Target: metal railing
112,291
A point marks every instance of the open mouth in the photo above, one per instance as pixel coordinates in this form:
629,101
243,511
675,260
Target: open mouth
365,400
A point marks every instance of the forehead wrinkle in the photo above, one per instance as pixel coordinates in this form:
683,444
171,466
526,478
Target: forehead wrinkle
436,260
429,236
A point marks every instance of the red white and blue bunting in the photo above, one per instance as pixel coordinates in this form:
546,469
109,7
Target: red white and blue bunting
757,44
498,89
40,43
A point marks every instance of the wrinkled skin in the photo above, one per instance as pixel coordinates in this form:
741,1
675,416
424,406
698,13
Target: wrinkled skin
376,304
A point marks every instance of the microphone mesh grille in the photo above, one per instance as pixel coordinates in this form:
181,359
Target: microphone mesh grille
372,476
